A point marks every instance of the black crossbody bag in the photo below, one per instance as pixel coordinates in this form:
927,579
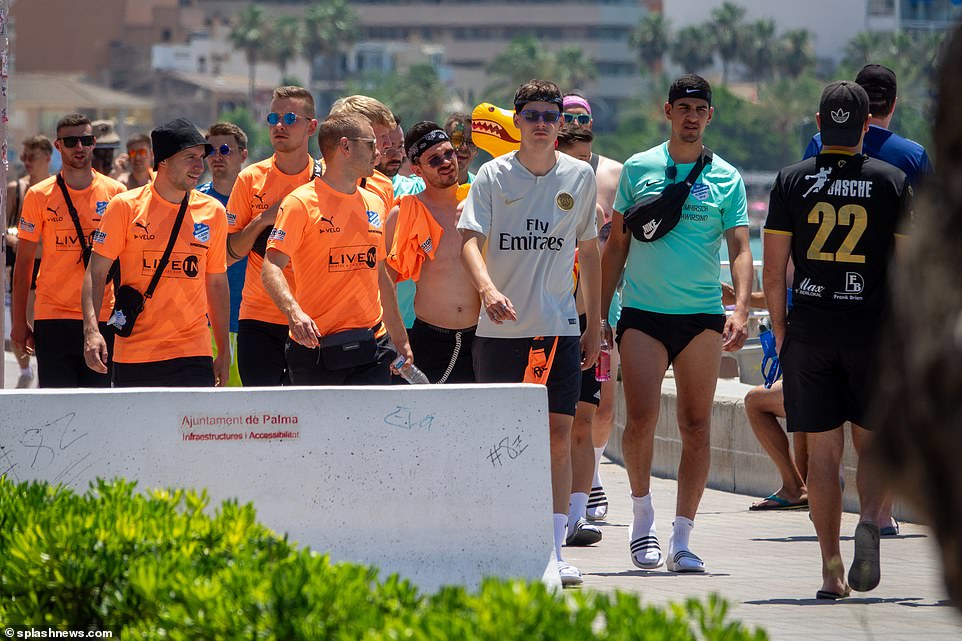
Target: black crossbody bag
85,247
654,216
128,302
260,245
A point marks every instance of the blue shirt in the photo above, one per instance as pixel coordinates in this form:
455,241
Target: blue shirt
880,143
406,289
407,185
235,272
678,273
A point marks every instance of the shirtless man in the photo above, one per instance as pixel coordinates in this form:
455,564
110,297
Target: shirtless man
425,247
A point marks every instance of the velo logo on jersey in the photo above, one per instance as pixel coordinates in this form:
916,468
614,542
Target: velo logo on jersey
101,207
700,191
202,232
352,258
373,218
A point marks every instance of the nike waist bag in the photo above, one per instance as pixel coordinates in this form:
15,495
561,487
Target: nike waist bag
657,214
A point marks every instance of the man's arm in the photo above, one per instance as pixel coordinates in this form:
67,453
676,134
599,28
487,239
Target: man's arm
218,311
778,247
736,325
613,259
589,259
496,304
92,298
391,312
303,329
240,243
20,334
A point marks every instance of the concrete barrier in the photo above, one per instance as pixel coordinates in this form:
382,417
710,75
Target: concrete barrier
422,481
738,462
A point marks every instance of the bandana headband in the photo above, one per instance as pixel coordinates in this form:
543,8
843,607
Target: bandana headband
577,101
425,142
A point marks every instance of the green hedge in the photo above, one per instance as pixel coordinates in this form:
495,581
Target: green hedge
156,566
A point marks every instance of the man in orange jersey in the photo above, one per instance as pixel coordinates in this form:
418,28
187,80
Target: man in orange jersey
168,343
382,120
53,210
339,332
426,247
251,211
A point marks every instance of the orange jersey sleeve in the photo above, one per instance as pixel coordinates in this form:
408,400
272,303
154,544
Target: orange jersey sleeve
416,238
335,242
136,228
46,219
258,187
382,187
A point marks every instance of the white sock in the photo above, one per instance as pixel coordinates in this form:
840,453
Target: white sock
599,452
578,508
644,511
681,531
560,532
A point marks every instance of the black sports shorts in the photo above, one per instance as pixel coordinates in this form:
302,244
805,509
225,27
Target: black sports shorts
306,367
434,352
674,331
260,353
186,371
590,386
506,360
826,385
59,345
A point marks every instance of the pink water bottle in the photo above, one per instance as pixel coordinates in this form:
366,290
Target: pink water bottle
603,367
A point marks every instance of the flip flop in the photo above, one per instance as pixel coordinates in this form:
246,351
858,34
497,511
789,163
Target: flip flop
778,503
825,595
891,530
864,575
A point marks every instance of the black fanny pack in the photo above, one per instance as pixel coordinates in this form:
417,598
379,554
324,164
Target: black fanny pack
654,216
128,302
350,348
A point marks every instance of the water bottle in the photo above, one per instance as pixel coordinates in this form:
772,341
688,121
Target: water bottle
603,367
412,374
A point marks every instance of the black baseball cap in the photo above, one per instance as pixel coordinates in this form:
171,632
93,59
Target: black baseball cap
842,110
878,82
174,137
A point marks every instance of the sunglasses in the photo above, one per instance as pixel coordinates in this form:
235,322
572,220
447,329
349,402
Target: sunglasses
582,119
533,115
223,150
458,140
393,151
371,141
436,161
289,118
137,153
71,141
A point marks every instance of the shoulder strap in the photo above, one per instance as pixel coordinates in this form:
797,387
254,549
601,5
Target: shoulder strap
593,161
704,159
170,247
81,237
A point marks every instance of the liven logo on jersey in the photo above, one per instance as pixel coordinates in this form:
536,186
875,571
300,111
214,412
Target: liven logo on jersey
808,288
352,258
181,265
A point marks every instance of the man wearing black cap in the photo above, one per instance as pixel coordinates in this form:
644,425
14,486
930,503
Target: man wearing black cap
673,312
908,155
836,214
168,228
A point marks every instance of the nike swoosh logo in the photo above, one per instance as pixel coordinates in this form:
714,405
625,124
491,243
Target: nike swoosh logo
648,233
690,90
510,201
650,183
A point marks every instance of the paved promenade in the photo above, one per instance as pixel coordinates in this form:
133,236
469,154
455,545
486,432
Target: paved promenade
767,566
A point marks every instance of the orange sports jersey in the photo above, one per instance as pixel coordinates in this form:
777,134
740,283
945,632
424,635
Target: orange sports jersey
381,186
257,188
338,240
46,219
136,227
416,238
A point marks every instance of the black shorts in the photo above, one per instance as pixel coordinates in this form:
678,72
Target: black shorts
505,360
439,352
187,371
260,353
674,331
59,345
306,367
826,385
590,386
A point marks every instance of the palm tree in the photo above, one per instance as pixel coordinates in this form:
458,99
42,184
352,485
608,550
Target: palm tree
865,47
250,34
688,48
572,69
651,39
330,27
759,49
523,59
795,55
286,42
726,24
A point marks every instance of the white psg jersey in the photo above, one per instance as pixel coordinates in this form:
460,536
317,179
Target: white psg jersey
532,225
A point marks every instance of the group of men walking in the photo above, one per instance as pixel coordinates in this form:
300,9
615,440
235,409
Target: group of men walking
513,283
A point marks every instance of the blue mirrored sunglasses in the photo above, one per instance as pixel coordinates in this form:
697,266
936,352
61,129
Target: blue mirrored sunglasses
289,118
223,150
581,119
